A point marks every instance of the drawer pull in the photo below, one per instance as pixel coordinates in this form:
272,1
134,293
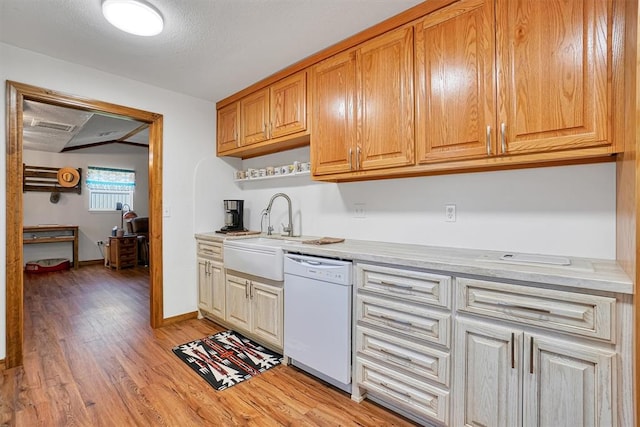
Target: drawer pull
522,307
397,286
396,355
400,392
402,322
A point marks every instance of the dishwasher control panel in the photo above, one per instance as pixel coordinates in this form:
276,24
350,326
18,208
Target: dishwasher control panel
321,269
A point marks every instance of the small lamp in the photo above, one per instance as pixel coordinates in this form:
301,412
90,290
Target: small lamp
123,209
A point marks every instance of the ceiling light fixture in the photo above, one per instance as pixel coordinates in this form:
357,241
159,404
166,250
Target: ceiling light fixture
133,16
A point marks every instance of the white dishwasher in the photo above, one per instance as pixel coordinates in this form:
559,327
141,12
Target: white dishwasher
317,317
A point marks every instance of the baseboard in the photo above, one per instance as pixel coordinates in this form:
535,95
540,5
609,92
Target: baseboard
91,262
180,318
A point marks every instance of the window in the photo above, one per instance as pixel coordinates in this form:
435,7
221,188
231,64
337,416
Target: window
108,186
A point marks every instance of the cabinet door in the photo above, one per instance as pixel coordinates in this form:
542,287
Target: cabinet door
455,82
254,118
218,294
228,123
385,110
333,85
553,64
238,303
267,312
289,105
204,284
567,384
487,375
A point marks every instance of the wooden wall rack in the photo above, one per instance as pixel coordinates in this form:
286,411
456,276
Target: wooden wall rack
45,178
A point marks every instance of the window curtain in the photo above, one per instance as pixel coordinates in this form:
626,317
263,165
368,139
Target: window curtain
110,179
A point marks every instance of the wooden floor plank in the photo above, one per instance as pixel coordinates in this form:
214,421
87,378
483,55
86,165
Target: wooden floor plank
92,359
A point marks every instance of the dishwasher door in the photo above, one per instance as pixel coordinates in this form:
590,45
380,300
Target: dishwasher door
317,317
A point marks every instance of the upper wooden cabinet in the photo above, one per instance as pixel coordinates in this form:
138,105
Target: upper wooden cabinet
455,82
553,72
254,118
545,91
363,106
448,86
384,77
288,106
228,127
333,92
276,112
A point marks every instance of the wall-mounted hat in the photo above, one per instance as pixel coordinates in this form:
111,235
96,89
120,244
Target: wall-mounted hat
68,177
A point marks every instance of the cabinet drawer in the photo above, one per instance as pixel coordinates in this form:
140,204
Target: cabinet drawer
412,395
580,314
128,242
416,286
401,353
126,250
210,250
414,321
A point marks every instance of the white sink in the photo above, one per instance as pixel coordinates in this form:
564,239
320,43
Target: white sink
258,256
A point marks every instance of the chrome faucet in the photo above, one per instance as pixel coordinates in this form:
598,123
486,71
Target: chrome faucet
289,228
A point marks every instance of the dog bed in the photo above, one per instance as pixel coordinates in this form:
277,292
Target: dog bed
47,265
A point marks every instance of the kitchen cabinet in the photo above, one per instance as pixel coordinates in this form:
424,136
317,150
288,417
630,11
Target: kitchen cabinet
403,340
228,125
554,67
256,308
353,95
547,90
238,302
274,112
503,372
254,118
333,89
211,283
288,105
455,82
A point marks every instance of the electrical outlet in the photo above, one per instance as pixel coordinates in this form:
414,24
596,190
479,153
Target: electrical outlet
166,211
100,243
450,213
360,210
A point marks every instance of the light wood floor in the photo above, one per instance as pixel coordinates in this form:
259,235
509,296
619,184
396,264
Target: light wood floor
92,360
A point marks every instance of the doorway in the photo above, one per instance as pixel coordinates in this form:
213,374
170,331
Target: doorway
16,94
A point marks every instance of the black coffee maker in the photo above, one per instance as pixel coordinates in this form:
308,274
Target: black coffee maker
233,212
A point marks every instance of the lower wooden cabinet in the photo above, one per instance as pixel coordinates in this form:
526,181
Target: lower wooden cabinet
403,337
256,307
211,287
461,351
211,283
504,374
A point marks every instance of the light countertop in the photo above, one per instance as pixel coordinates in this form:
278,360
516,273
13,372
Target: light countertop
582,273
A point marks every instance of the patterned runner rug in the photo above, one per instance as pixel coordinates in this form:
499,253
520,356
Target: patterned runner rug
226,358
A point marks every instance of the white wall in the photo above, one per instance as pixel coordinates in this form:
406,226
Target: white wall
73,208
566,210
189,138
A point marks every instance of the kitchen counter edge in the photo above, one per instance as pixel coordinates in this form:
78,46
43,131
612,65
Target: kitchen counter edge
583,273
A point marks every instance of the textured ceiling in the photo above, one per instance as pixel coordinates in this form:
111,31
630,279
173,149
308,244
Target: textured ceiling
209,48
44,129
